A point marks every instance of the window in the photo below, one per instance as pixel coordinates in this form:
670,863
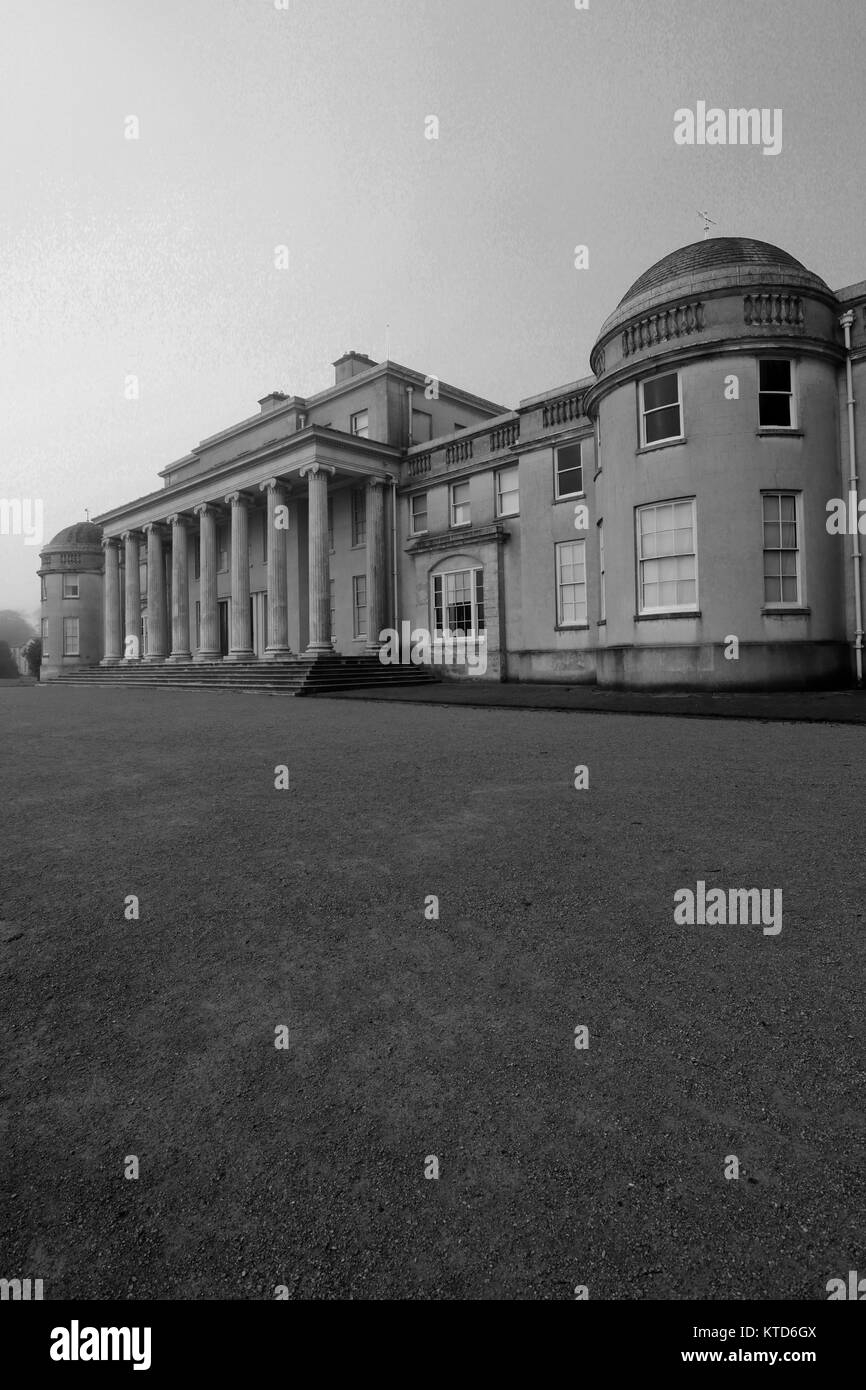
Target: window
70,586
601,611
332,589
222,548
44,636
461,514
776,394
781,549
361,424
507,491
571,584
458,603
196,557
422,427
359,605
43,589
667,557
661,409
569,470
418,513
331,524
359,516
70,637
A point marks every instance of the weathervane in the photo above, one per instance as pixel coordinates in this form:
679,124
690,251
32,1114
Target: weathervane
708,222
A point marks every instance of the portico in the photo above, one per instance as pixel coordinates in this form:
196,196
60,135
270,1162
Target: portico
275,520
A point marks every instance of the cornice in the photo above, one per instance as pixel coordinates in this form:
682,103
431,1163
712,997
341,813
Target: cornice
634,368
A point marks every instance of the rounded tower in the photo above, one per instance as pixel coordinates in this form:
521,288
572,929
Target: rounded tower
716,401
71,578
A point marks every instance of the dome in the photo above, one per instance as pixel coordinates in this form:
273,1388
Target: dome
706,269
720,254
84,535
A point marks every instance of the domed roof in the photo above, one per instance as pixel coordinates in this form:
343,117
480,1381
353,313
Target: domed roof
715,254
83,535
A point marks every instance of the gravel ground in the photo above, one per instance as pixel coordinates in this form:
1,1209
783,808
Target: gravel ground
408,1038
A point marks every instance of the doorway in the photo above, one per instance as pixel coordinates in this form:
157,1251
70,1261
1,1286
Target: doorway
224,626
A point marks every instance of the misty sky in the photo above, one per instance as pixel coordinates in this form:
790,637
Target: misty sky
304,127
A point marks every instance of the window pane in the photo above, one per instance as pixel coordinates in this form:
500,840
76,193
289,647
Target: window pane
775,376
663,424
775,411
659,391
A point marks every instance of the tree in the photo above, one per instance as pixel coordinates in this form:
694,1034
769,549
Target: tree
14,628
8,669
32,653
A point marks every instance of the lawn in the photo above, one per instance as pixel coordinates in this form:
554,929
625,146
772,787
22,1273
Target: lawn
304,1166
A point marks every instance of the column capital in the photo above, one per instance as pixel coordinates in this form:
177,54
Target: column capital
271,485
131,535
177,519
374,480
109,542
316,468
237,499
205,509
155,527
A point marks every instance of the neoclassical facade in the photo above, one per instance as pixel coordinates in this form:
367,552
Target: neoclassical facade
664,522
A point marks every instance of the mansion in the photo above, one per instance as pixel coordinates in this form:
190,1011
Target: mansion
661,523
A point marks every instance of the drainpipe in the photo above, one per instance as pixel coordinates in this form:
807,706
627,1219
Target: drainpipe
410,392
394,621
847,321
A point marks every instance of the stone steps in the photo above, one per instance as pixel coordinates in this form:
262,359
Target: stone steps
297,676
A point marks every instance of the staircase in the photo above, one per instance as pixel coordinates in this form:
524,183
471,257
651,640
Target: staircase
299,675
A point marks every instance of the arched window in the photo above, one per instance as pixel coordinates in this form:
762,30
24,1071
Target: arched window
457,602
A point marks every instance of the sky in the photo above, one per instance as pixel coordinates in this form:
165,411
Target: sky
303,124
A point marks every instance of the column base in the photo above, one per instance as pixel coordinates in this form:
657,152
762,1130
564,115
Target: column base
244,655
178,658
317,648
130,661
278,653
207,656
111,661
154,660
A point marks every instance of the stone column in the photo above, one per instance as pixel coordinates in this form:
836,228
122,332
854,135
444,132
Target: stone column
168,564
111,603
156,633
179,590
377,562
209,635
278,571
241,648
132,616
317,476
